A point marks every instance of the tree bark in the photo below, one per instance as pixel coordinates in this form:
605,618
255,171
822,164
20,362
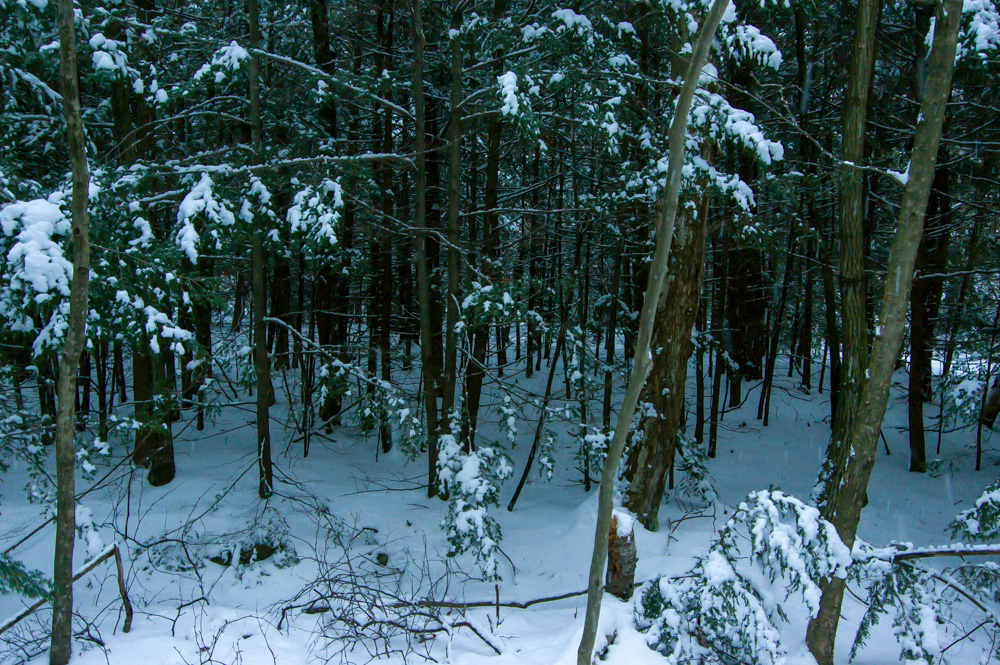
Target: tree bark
666,217
475,371
622,559
866,423
764,405
62,565
854,287
610,335
261,362
454,203
427,336
672,348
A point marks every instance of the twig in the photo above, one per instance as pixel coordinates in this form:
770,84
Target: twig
988,550
110,552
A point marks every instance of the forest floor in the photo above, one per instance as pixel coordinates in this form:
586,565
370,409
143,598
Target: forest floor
346,492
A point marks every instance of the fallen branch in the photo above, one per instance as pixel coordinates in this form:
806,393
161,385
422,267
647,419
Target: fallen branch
956,550
314,608
111,551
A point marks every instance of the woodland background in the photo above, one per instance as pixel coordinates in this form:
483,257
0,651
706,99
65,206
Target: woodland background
427,229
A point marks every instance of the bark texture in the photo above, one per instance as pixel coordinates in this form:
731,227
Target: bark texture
73,344
866,422
666,217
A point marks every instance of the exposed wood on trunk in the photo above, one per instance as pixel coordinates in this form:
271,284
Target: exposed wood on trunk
622,559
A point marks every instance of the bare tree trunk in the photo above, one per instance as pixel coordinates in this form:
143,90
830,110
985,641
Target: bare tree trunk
699,385
719,323
805,334
844,511
925,305
666,217
454,203
832,330
476,370
102,388
75,339
534,272
665,386
261,362
385,282
610,334
118,370
423,274
807,151
925,300
764,405
854,287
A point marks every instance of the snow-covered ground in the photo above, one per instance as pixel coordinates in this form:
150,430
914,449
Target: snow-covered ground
224,614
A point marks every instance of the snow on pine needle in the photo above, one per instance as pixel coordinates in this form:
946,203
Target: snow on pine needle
315,212
471,480
727,606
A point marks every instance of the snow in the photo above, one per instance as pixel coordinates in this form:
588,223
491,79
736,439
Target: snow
532,32
227,58
508,93
85,524
573,21
36,259
315,211
901,176
545,546
983,35
200,200
758,45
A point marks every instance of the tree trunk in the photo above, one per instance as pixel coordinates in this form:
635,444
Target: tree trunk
75,339
610,334
854,287
261,362
665,386
928,287
423,274
667,215
454,203
764,404
385,281
622,559
475,372
720,290
844,510
923,300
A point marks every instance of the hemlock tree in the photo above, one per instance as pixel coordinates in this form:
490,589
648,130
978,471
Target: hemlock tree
486,173
666,218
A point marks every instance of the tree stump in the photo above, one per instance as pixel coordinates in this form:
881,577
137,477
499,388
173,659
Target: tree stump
622,557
